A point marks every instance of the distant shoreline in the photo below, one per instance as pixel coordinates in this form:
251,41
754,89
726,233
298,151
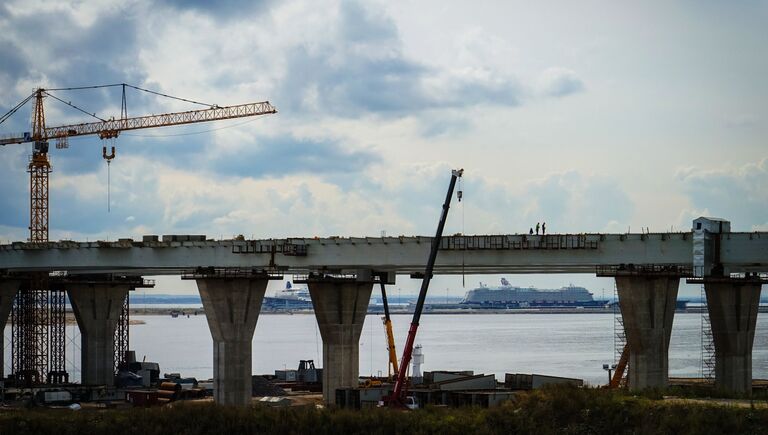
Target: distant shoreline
199,311
185,311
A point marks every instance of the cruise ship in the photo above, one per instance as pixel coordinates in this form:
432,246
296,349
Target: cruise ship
509,296
290,298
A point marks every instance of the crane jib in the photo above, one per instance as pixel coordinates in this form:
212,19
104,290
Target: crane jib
111,128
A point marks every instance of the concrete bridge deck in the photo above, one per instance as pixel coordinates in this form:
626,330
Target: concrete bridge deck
555,253
725,263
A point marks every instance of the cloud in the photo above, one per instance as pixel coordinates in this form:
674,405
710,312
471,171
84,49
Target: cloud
739,195
285,155
567,201
149,197
338,72
575,202
14,188
221,8
742,121
558,82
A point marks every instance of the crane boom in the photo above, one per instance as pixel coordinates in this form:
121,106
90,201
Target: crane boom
397,398
392,368
111,128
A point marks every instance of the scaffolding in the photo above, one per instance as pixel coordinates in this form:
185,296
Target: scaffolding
122,336
619,335
707,340
57,373
73,352
38,316
30,325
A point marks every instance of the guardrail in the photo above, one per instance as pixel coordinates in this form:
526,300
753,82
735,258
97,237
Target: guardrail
675,270
229,273
503,242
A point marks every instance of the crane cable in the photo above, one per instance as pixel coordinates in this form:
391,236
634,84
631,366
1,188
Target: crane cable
171,96
193,132
15,108
69,103
78,88
123,115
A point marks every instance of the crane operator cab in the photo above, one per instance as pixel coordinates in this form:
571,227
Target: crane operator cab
410,403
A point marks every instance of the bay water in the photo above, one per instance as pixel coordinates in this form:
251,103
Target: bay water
571,345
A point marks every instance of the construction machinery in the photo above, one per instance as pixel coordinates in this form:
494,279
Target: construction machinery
398,398
38,315
392,366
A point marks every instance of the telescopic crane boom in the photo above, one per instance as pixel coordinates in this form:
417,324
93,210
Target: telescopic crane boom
397,399
392,366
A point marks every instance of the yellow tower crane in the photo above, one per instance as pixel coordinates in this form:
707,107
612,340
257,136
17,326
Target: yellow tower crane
38,315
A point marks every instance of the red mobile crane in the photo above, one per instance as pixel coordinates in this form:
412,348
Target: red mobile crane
398,397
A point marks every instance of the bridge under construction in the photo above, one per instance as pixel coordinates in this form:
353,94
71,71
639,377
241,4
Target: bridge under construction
232,277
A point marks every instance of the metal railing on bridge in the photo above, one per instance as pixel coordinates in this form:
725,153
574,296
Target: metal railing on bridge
678,270
257,247
551,241
229,273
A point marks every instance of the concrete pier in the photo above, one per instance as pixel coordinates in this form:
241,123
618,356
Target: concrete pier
232,308
340,308
733,306
647,307
8,290
97,310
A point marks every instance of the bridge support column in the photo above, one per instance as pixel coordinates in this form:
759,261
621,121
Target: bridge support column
8,290
97,310
232,308
647,308
340,308
733,306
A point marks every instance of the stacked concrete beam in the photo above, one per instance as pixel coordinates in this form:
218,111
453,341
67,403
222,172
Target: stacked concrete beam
733,306
8,290
340,307
97,310
232,309
648,308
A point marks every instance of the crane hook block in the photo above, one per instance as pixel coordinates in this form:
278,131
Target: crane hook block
459,194
104,154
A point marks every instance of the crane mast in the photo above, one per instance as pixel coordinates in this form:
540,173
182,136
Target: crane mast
39,170
38,314
38,322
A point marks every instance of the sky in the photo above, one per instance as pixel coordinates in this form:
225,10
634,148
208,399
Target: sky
590,116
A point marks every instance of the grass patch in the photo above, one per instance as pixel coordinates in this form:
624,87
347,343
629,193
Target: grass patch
559,409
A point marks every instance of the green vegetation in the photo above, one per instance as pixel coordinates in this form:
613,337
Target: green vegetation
560,410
